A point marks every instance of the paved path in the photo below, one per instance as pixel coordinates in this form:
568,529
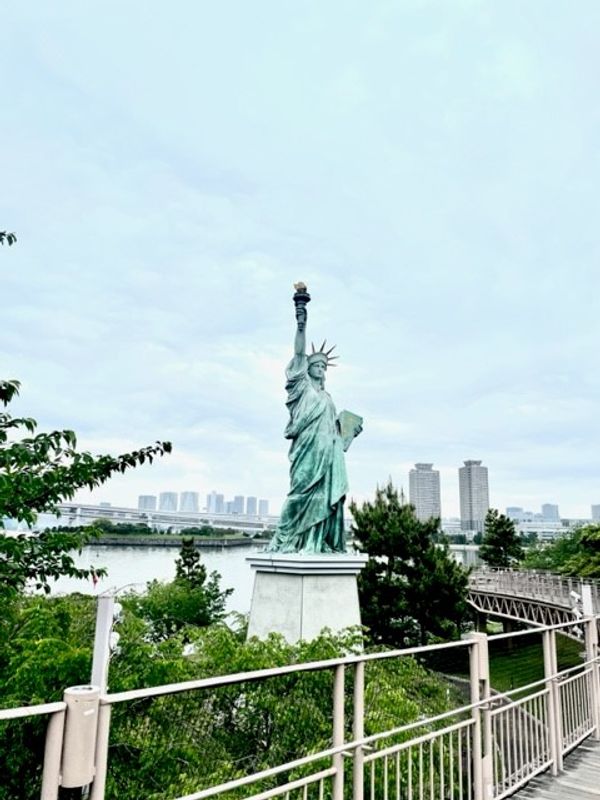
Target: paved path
579,781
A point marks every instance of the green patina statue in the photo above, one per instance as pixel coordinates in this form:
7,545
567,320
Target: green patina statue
312,518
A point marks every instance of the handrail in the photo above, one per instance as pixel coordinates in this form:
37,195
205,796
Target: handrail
32,711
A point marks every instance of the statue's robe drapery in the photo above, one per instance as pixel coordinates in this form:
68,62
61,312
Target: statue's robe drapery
312,518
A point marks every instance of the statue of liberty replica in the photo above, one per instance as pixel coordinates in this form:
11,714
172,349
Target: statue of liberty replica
312,518
305,580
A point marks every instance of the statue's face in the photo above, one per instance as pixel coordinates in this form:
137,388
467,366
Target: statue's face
317,369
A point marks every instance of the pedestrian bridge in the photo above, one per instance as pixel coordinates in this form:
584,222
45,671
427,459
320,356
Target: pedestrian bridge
522,716
533,598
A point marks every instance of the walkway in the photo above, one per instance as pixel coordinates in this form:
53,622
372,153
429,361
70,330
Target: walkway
579,781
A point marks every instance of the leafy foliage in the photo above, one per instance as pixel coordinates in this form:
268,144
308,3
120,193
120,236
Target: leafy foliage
554,555
40,470
585,561
411,589
9,238
169,746
501,546
37,471
192,599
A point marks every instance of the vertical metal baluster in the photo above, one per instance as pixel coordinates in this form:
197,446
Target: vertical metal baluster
321,789
372,780
519,712
515,746
431,769
421,771
441,749
410,771
502,755
459,756
470,730
451,760
385,778
398,783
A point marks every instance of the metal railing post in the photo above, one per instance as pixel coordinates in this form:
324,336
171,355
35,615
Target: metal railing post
52,756
591,654
338,732
105,610
554,706
484,715
358,731
476,749
101,756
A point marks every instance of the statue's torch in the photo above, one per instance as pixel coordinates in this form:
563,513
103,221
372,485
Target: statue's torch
301,295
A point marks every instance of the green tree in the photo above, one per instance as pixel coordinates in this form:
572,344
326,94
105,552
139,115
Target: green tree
38,471
193,599
501,546
411,589
554,555
585,562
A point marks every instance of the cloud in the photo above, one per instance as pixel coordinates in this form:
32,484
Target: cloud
430,171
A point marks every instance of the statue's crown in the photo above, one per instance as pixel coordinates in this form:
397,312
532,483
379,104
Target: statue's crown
323,354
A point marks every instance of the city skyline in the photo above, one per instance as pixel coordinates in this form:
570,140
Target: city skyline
429,171
449,497
189,502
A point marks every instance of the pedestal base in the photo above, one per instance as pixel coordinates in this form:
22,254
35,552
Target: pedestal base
298,595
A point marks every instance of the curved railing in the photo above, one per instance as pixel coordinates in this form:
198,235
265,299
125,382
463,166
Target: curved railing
543,587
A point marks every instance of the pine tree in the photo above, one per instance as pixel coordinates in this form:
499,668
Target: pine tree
501,546
188,567
411,589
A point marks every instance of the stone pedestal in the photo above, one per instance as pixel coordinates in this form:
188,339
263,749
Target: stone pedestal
298,595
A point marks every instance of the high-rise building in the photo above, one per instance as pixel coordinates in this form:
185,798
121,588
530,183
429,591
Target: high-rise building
596,513
515,513
424,491
147,502
188,501
474,495
263,508
251,506
167,501
550,512
229,507
238,504
215,503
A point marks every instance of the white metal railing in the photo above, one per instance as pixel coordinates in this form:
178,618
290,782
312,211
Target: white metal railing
543,586
487,748
55,714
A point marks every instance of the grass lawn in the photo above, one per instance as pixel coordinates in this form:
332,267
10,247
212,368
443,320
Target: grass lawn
524,662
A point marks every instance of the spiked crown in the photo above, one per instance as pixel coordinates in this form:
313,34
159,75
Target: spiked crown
323,355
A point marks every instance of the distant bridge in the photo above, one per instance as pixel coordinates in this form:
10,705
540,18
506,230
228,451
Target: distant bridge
533,598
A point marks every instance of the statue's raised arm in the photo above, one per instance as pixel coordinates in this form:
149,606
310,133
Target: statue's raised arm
301,299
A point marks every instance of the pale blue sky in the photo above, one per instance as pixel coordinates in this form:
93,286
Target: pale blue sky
430,169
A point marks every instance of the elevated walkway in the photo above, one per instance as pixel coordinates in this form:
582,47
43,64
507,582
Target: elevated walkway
579,781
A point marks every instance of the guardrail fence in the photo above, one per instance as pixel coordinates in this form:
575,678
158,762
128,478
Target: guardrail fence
334,739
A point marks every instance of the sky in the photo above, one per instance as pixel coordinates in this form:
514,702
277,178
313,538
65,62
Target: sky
429,169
